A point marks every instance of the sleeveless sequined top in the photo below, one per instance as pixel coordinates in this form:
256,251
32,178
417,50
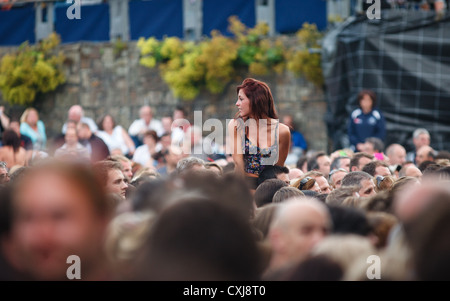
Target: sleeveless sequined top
255,158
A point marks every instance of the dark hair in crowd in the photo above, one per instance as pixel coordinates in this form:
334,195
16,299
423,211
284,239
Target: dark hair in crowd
312,163
336,163
356,157
443,154
199,240
182,109
431,168
301,161
371,167
102,118
10,138
378,145
348,220
271,172
316,268
371,94
101,169
354,178
264,193
423,166
285,193
153,134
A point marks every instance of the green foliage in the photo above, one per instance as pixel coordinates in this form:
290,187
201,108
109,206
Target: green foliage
301,61
212,63
31,70
188,67
217,57
256,51
119,47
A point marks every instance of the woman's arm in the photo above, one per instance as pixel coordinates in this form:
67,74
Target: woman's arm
284,143
3,118
128,141
234,147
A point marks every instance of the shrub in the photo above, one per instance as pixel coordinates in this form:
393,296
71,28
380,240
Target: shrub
31,70
212,63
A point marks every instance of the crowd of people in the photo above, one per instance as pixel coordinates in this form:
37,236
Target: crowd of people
133,205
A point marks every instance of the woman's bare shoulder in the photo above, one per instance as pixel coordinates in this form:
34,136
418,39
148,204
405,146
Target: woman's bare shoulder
22,150
5,150
235,123
232,122
284,130
284,127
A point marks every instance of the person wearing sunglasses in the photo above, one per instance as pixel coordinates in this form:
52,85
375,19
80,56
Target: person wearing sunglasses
377,168
383,183
362,180
335,177
307,183
321,181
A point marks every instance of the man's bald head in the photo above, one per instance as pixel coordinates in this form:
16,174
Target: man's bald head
298,225
413,200
396,154
297,204
146,113
413,171
425,153
295,173
75,113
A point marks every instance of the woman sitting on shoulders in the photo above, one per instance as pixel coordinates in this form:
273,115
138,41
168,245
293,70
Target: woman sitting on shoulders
257,137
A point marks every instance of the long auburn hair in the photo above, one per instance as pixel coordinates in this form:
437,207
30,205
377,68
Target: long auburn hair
261,99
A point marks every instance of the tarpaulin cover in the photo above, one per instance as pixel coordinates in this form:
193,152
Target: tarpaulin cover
405,59
217,12
156,18
93,25
17,26
290,15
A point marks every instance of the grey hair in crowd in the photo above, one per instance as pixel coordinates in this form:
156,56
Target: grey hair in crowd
419,132
186,163
355,178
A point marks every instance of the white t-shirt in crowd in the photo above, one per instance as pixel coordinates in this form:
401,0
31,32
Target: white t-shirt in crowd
115,140
139,124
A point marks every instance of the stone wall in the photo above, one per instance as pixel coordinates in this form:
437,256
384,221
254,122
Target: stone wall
105,82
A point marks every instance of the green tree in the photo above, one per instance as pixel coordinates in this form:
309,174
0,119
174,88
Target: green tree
31,70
